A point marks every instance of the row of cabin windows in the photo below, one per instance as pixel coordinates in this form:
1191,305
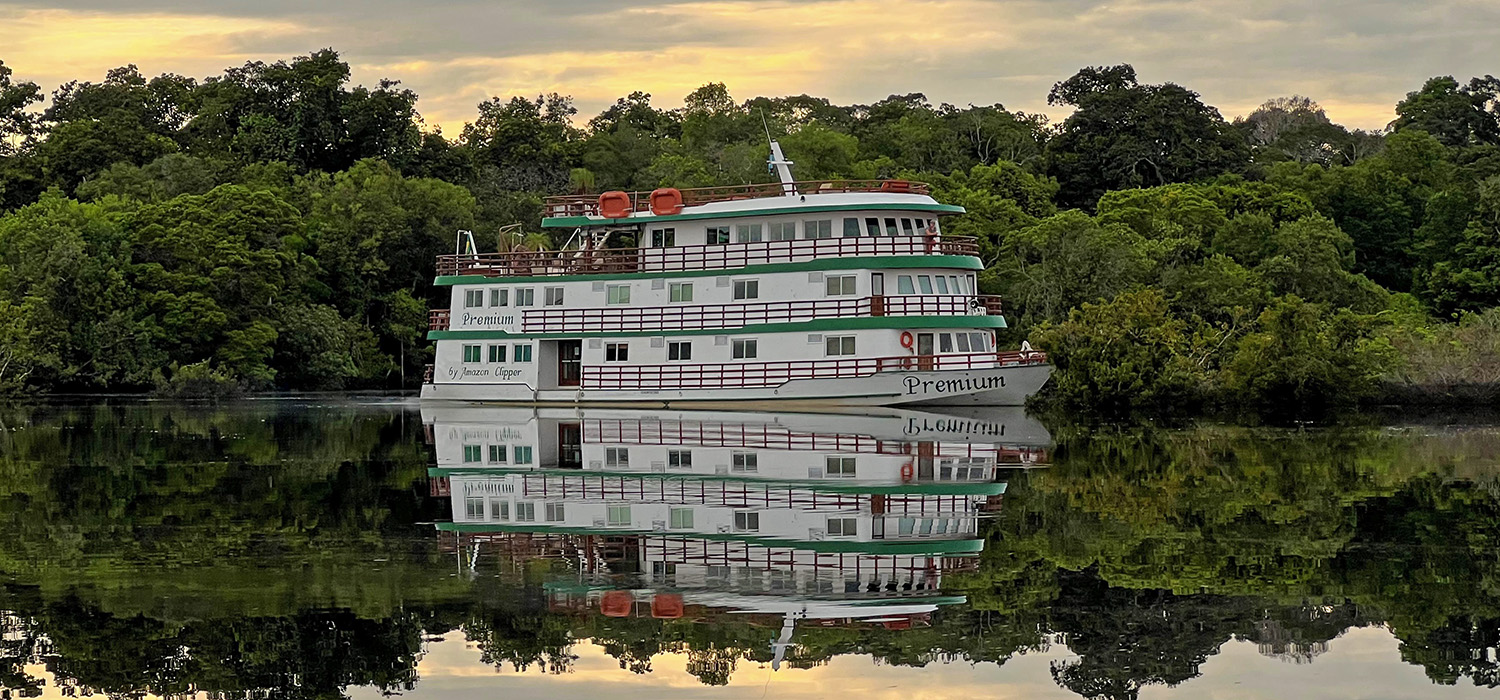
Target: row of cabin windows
811,229
965,342
743,289
499,509
934,284
476,353
474,454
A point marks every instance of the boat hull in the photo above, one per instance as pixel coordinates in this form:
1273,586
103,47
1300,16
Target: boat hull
999,386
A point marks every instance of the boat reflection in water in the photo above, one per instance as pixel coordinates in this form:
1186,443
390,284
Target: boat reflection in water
829,519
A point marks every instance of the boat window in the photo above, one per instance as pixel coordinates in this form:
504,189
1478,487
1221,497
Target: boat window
473,298
890,227
552,296
744,349
906,228
782,230
617,516
872,226
979,341
681,291
839,345
663,237
499,510
497,353
903,285
932,227
839,285
747,289
851,227
617,294
471,453
718,234
682,518
963,342
953,283
942,284
497,454
617,457
525,512
679,351
747,522
499,297
616,352
556,512
471,353
679,459
474,508
525,297
821,228
945,342
839,466
969,284
522,453
747,233
522,353
925,282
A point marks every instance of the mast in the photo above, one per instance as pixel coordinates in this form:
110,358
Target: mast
783,168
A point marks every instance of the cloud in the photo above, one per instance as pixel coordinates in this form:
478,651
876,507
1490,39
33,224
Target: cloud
1356,57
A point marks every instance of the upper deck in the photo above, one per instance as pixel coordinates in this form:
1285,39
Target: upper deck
567,210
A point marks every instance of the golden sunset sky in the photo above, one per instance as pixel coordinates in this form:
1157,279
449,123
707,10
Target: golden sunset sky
1355,57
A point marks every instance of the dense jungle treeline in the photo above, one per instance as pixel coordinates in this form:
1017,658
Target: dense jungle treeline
264,549
275,226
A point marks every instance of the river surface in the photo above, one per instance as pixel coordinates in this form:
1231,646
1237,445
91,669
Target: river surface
324,548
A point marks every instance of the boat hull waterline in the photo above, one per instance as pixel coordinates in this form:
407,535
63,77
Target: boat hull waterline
999,386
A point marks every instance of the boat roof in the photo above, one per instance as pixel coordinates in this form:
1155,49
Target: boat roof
768,199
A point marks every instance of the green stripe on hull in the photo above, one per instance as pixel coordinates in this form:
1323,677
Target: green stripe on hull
575,221
831,324
954,262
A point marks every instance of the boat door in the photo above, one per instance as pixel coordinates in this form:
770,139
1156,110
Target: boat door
877,294
569,362
569,446
925,350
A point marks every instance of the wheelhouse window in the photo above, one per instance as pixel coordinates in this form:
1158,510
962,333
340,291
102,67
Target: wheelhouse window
945,342
904,285
497,353
851,227
663,237
680,291
525,297
747,233
718,235
781,230
472,353
890,227
962,341
980,342
839,345
522,353
616,352
839,285
499,297
925,283
473,298
743,349
906,228
746,289
872,226
552,296
617,294
819,228
942,284
679,351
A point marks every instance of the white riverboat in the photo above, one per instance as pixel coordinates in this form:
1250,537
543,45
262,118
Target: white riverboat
814,293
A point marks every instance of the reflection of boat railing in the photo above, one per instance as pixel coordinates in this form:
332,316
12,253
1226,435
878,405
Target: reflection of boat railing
637,431
647,488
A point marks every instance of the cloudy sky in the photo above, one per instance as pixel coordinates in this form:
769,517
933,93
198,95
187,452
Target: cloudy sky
1355,57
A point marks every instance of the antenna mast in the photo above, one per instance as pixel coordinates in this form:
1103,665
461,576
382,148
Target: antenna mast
778,162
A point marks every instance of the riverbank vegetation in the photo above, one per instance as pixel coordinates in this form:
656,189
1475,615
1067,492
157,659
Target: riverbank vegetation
275,226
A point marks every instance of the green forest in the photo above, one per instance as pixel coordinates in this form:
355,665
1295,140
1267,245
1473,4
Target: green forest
274,227
272,549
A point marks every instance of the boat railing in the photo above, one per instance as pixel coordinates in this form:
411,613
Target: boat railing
532,263
439,319
588,204
735,375
679,317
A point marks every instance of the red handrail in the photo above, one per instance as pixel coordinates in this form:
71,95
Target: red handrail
588,204
438,319
525,263
760,374
676,317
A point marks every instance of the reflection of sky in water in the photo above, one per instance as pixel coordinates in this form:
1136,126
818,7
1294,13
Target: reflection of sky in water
1363,663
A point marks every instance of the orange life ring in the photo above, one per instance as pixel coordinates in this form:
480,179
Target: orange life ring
906,471
907,339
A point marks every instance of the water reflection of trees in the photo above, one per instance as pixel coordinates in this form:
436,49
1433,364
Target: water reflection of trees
275,552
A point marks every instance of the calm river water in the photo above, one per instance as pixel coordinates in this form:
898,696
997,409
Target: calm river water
321,548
